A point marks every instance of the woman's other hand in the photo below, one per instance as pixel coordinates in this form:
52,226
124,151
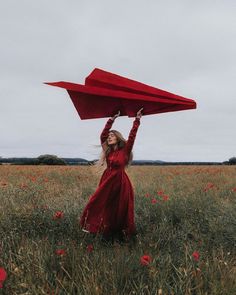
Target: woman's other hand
139,113
115,116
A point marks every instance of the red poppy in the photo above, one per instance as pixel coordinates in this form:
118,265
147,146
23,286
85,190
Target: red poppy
160,193
147,195
154,201
196,255
60,252
58,215
165,197
33,178
209,186
145,259
90,248
3,276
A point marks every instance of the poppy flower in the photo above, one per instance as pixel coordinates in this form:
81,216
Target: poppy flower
3,276
33,178
147,195
58,215
90,248
145,259
154,201
209,186
165,197
60,252
160,193
196,255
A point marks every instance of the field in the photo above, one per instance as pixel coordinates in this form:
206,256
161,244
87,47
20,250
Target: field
185,218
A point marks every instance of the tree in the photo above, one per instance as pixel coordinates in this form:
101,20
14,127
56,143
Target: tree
232,161
50,160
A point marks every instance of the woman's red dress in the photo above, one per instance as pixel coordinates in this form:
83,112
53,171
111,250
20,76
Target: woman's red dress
110,209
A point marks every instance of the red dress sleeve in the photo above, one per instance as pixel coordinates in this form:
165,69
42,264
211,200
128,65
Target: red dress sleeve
105,130
132,135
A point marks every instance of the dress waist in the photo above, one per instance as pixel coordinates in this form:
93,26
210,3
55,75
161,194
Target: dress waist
115,168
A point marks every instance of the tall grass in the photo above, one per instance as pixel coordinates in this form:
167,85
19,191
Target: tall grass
179,211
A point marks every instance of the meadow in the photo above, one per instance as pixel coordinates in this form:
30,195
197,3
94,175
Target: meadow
186,241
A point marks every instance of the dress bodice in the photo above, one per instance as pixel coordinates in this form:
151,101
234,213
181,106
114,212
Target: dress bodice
117,159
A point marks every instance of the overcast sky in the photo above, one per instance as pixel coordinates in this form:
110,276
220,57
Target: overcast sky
185,47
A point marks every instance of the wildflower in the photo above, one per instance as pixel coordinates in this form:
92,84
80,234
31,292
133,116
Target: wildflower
165,197
147,195
3,276
145,259
60,252
58,215
154,201
33,178
90,248
209,186
196,255
160,193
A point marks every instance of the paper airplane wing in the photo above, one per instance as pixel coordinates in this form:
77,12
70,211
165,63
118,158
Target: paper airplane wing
104,94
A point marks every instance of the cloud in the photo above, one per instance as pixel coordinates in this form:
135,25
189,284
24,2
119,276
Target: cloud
184,47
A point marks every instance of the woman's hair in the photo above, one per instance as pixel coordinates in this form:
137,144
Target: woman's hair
101,164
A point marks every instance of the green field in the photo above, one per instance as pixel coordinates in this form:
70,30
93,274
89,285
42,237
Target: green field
185,218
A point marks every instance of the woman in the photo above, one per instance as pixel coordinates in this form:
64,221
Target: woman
110,209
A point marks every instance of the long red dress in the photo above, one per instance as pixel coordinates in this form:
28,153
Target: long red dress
110,209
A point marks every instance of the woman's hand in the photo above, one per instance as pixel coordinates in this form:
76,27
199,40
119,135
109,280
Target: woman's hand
139,113
115,116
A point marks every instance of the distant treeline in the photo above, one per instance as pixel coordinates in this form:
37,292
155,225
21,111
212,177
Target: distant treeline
54,160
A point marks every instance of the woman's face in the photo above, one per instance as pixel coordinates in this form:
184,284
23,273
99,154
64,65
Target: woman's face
112,139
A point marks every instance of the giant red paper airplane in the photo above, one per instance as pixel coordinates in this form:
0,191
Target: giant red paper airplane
105,93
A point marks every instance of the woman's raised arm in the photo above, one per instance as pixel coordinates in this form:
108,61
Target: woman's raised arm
133,132
107,127
105,130
132,136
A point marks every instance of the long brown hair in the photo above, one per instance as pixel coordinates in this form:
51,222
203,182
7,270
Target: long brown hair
100,165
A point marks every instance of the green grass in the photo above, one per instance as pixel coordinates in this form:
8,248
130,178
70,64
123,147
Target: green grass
192,219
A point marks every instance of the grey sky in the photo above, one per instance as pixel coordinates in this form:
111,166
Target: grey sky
185,47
